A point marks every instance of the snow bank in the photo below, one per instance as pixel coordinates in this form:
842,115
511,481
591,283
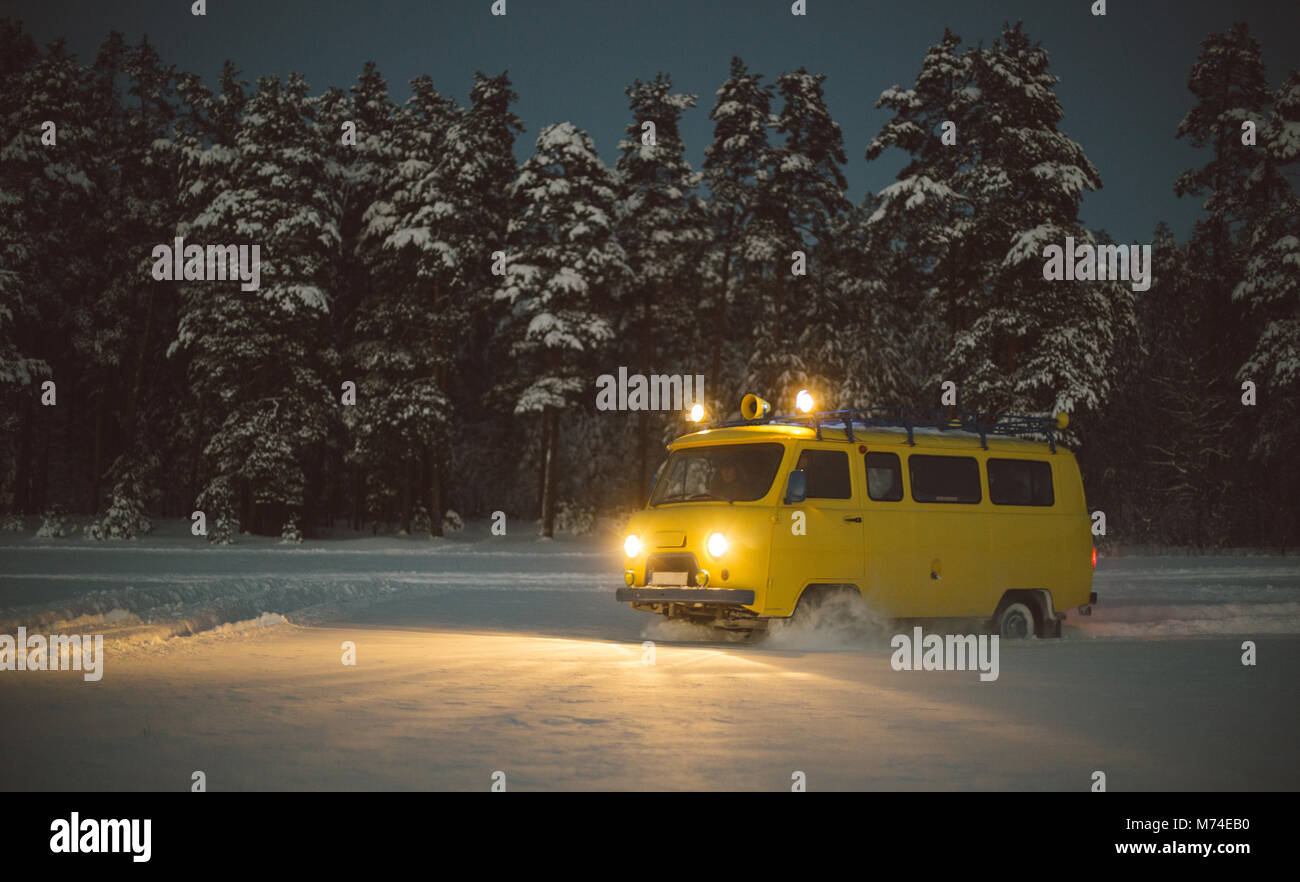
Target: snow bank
1187,621
175,586
144,593
172,606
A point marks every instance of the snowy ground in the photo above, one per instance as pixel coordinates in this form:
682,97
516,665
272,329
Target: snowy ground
479,653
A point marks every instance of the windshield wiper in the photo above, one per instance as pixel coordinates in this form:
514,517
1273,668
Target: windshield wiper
682,497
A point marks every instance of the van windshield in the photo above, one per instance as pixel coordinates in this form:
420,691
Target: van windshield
729,472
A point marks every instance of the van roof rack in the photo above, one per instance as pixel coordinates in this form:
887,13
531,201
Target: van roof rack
910,418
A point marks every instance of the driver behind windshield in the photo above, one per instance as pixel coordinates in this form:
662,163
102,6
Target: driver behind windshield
728,480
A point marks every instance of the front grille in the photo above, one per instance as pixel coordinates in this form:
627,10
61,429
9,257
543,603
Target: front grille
674,562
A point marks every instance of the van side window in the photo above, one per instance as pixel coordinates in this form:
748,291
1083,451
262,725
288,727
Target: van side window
828,474
884,477
1020,482
944,478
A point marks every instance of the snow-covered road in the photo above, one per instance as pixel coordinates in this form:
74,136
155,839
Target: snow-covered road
475,655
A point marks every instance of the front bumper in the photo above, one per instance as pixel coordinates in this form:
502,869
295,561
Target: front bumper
715,596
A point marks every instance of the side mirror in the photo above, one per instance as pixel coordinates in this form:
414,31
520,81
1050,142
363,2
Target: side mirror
796,487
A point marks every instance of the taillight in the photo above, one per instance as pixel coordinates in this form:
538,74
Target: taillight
1094,557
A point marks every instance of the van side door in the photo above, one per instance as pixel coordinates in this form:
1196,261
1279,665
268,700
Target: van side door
818,540
950,545
886,531
1025,535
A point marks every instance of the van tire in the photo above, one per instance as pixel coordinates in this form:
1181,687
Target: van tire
1017,621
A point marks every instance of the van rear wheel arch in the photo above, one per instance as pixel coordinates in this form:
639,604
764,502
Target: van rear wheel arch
818,593
1039,604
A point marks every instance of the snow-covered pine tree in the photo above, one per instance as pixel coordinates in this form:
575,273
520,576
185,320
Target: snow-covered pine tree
467,194
469,204
809,165
362,121
19,367
1186,468
1119,464
472,179
920,224
258,357
1231,86
337,114
980,213
801,201
1270,285
133,479
734,165
123,342
54,198
399,346
564,264
921,217
1239,184
363,142
856,335
1270,291
1038,345
204,141
663,226
150,172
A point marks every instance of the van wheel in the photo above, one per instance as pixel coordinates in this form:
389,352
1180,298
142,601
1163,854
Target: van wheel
806,609
814,598
1016,622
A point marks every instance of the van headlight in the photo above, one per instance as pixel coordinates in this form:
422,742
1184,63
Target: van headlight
632,545
717,545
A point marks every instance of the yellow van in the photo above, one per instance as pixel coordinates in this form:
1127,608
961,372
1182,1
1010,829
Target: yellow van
924,514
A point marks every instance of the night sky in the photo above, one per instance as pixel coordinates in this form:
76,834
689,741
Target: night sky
1123,77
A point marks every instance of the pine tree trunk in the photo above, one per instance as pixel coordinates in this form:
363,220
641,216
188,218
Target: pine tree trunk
43,470
195,457
97,455
137,383
336,492
778,329
720,324
868,373
443,496
549,418
541,466
22,477
358,493
642,433
643,420
406,500
245,507
435,492
435,473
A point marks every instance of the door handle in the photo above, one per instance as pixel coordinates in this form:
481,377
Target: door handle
854,520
